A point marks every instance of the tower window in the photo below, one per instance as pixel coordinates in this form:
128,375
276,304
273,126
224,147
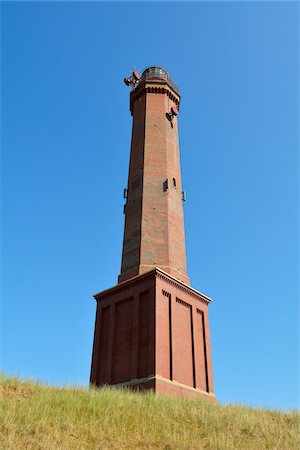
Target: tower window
174,182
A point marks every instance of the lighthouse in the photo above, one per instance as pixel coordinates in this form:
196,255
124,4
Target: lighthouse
152,327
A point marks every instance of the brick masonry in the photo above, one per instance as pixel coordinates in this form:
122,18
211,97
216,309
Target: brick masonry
152,328
152,332
154,226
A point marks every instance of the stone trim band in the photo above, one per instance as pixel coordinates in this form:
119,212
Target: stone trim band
157,272
157,377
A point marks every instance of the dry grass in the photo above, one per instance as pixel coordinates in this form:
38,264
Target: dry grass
36,417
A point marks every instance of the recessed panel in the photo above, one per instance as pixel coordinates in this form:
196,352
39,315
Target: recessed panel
122,341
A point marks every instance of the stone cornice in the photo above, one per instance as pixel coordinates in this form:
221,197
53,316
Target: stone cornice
179,284
157,87
159,273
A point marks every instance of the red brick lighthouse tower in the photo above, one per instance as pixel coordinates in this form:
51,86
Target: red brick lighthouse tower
152,328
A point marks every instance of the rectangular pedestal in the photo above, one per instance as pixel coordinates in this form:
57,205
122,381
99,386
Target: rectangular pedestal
152,332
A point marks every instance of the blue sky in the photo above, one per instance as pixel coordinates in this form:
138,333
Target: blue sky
66,132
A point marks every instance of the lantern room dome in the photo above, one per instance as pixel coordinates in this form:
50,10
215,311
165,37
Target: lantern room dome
157,73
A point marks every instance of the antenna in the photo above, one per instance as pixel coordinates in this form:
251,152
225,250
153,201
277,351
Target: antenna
133,80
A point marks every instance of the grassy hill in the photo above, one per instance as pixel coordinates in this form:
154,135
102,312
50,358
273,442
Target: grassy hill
36,417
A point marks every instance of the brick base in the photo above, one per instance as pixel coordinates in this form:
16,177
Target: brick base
153,324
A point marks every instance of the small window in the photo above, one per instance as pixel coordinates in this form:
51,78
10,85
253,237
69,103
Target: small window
174,182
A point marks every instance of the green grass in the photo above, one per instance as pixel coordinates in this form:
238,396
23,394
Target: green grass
34,416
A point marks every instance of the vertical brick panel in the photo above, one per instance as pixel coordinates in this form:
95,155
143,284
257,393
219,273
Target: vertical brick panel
182,344
163,349
200,350
208,352
193,346
171,301
177,251
154,243
102,362
110,342
96,347
122,346
152,327
143,335
135,337
133,210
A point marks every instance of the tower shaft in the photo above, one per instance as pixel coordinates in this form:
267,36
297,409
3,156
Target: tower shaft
154,225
